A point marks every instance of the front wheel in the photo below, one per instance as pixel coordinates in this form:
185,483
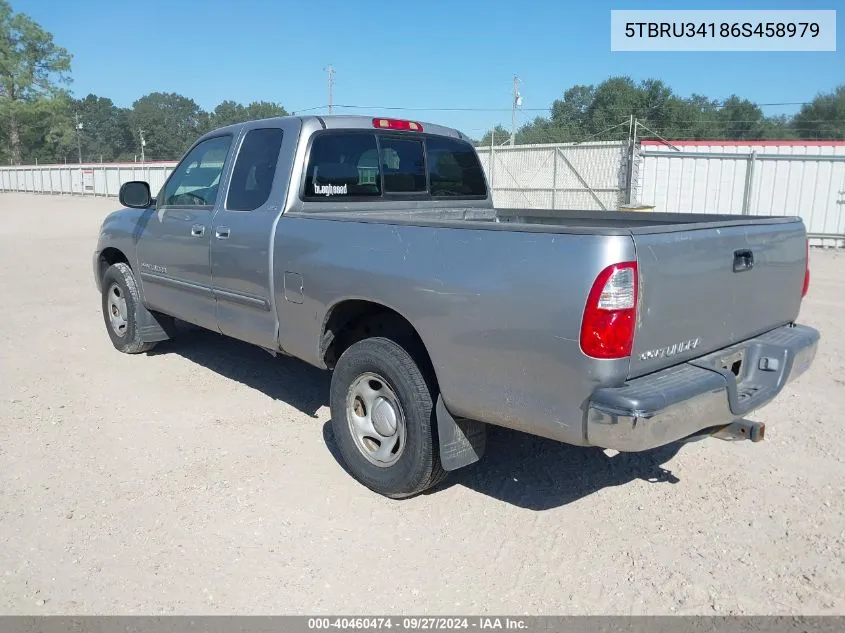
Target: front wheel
383,419
121,302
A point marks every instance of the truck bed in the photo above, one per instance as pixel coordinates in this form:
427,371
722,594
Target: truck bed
551,220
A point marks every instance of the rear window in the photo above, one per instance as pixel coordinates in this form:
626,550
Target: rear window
353,164
453,169
403,165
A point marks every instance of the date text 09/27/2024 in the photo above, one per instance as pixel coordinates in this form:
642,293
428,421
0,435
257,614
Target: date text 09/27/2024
417,623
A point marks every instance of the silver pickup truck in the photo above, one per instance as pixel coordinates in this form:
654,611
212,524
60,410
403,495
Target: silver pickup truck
371,247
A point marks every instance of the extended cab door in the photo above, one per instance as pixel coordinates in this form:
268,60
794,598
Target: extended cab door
242,232
173,249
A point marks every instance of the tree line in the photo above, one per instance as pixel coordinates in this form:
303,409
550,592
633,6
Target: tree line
603,112
61,128
41,121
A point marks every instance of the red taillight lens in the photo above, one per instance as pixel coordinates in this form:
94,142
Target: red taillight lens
806,273
397,124
610,316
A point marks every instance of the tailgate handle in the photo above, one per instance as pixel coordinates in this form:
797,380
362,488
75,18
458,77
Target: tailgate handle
743,260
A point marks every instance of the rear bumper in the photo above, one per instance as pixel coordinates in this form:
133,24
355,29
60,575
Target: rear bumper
681,401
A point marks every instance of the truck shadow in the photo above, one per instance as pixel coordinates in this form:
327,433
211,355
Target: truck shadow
539,474
517,468
299,384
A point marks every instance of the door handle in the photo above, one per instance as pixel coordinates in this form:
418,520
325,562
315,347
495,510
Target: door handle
743,260
222,233
197,230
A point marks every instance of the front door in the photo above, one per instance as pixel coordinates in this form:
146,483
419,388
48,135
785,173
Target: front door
241,239
173,249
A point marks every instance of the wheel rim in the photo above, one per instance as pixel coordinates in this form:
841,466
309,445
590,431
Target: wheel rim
116,310
376,420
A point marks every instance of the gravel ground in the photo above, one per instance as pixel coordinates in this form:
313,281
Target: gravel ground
201,479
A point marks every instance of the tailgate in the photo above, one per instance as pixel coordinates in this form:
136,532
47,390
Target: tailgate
705,289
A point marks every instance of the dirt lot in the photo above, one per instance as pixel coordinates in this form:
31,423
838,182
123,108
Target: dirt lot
201,479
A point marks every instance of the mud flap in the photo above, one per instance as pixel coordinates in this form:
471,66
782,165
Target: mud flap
151,327
462,442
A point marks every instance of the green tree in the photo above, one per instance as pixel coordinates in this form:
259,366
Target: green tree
170,124
615,100
498,135
822,118
230,112
570,114
46,130
264,110
226,113
741,119
32,67
602,112
106,132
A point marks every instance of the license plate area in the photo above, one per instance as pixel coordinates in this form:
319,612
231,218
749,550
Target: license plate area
753,371
732,362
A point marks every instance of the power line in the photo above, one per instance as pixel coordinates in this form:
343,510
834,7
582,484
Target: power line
546,109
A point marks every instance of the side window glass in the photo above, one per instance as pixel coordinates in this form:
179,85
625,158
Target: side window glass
195,180
403,165
342,165
454,169
252,176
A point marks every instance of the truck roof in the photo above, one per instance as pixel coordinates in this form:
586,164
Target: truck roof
356,122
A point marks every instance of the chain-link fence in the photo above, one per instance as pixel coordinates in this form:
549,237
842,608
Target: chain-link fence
591,175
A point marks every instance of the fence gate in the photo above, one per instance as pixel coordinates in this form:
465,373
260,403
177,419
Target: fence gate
590,176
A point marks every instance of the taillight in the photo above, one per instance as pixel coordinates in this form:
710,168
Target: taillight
806,273
397,124
610,316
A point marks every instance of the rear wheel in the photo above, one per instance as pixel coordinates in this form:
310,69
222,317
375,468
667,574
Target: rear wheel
383,419
121,302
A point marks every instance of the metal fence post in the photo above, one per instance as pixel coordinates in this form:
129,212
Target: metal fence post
492,163
749,175
554,179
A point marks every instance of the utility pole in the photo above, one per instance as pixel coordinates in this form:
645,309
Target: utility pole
517,101
143,144
330,70
78,139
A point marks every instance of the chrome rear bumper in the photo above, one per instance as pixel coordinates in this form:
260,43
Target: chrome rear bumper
683,401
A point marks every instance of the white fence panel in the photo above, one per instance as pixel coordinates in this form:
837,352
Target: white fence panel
803,178
93,179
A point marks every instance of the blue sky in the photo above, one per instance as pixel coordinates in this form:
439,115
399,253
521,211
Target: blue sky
427,55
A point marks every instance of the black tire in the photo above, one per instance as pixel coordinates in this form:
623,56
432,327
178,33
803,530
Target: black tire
119,279
418,467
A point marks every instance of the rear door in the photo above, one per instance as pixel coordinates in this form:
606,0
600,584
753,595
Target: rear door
243,228
173,250
704,289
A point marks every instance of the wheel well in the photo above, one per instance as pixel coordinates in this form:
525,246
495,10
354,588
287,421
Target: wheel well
354,320
111,256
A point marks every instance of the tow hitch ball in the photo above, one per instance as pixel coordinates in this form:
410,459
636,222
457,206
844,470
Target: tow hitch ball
741,430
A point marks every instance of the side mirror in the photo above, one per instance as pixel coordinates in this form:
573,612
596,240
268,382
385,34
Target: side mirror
135,194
